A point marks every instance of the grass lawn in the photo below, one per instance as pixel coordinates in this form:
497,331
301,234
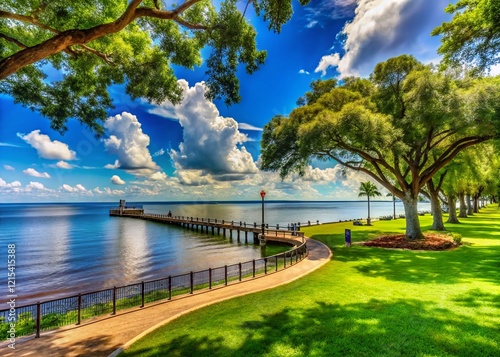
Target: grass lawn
365,302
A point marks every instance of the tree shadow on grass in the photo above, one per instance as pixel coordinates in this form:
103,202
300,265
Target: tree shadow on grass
449,267
407,327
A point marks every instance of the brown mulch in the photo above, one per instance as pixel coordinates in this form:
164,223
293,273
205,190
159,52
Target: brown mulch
430,242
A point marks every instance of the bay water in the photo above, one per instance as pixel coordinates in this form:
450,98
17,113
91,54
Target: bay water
64,249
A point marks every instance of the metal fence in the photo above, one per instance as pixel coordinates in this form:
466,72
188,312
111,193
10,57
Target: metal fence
42,316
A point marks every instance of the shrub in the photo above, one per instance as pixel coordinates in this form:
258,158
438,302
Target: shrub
457,238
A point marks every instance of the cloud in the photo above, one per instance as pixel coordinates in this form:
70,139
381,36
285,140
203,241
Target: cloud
46,148
10,145
303,71
33,185
109,191
130,144
4,184
34,173
382,29
77,189
64,165
159,153
211,143
8,167
115,179
158,176
327,62
328,10
245,126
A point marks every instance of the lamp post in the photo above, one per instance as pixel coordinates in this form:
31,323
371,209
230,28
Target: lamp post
263,194
394,206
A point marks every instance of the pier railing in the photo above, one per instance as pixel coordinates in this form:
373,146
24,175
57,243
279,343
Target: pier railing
48,315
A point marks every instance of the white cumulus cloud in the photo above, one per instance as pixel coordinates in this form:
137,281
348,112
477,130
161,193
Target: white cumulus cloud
34,173
303,71
8,167
4,184
64,165
130,144
76,189
33,185
46,148
382,29
211,143
117,180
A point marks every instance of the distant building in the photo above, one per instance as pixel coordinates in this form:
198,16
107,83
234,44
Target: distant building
122,210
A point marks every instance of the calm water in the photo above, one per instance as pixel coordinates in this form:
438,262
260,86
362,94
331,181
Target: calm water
76,247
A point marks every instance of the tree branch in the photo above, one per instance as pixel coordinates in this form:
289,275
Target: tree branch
449,154
68,38
383,181
27,19
13,40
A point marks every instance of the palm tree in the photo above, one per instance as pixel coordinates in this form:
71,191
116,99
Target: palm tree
368,189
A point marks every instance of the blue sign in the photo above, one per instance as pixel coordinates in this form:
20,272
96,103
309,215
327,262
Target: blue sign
348,237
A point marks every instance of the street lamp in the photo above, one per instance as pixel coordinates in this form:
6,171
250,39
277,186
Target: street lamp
262,194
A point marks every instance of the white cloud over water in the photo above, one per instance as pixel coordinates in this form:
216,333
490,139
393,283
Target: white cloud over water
115,179
212,146
130,144
46,148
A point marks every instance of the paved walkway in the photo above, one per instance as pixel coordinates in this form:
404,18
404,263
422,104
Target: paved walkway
109,335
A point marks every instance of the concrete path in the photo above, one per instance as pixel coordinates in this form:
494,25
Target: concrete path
109,335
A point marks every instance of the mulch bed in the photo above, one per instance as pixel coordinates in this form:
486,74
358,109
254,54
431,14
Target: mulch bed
430,242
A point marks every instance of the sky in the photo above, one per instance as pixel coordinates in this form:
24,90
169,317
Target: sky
199,150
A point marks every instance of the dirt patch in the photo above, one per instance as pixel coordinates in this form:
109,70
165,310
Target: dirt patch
429,242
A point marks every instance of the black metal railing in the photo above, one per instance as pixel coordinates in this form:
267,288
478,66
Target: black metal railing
47,315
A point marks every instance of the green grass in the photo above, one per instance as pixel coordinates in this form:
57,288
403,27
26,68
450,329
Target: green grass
364,302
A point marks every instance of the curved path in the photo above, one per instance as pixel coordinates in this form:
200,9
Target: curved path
109,335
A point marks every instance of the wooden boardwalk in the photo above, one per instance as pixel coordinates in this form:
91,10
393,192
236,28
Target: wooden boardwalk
215,226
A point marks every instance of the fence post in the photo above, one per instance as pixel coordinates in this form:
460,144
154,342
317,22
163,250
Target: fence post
225,274
170,287
37,320
265,265
276,262
142,293
114,300
191,281
210,278
79,309
253,268
239,274
284,260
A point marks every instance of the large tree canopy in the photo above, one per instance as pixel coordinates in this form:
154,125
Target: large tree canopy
97,43
401,131
472,37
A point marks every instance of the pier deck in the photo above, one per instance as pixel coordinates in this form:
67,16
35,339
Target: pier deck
214,226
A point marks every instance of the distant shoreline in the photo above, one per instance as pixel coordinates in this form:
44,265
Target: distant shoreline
190,202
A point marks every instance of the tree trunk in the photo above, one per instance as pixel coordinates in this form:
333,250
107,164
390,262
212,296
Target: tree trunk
470,211
452,210
437,213
413,230
463,206
476,203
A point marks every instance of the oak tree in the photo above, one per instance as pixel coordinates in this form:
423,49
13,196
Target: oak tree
59,57
412,123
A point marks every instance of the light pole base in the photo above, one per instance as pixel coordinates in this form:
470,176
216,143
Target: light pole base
262,240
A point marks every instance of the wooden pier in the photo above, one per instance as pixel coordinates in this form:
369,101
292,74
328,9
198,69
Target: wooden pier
215,226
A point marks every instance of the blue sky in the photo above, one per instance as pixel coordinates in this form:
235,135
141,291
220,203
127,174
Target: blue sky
199,150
